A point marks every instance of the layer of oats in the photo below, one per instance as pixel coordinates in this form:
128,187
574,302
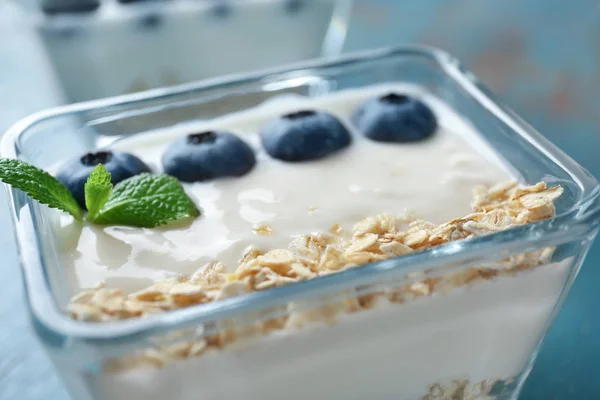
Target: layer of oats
373,239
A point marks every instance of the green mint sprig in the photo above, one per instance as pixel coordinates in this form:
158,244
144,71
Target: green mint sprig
39,185
144,200
98,189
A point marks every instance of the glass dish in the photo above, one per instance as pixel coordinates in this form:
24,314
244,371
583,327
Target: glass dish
496,358
108,48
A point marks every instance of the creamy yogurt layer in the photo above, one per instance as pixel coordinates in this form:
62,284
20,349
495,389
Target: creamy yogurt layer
277,201
476,337
458,335
466,334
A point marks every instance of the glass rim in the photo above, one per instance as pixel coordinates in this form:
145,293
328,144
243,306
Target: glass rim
580,221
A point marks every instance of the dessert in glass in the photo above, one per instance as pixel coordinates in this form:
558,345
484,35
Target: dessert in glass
375,226
103,48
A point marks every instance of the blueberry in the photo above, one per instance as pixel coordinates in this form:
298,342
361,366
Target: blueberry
395,118
304,135
221,9
150,21
121,166
208,155
53,7
294,6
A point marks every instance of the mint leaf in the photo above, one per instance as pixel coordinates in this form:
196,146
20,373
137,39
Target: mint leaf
39,185
146,201
97,191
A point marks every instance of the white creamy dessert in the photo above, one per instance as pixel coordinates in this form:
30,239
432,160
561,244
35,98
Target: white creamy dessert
479,335
115,48
432,180
474,328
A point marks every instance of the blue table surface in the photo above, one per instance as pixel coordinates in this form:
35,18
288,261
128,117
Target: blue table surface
541,56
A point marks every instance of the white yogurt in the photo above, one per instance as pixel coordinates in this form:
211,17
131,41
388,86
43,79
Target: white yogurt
484,331
432,179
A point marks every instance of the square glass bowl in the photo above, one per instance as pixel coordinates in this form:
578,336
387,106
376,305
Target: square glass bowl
478,341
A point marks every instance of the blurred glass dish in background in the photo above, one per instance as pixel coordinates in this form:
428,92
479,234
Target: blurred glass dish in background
107,48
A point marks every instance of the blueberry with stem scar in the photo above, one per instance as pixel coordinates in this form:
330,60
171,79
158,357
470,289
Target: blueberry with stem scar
208,155
74,173
304,135
396,118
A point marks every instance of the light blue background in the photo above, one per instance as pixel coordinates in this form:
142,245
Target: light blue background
541,56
